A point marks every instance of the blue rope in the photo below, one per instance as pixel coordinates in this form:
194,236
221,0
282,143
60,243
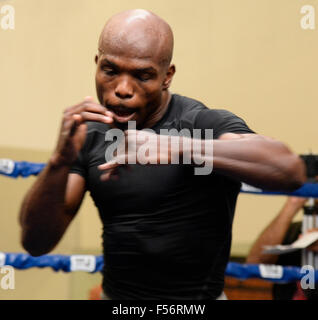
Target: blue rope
307,190
22,261
16,169
283,274
25,169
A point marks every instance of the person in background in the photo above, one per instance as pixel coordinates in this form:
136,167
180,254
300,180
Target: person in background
282,230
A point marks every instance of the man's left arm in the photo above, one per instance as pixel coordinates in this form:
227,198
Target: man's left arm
234,151
254,159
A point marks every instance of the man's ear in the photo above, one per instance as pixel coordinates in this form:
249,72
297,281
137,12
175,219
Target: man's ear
169,76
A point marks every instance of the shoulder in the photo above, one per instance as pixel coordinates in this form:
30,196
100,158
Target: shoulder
94,127
195,109
221,121
193,114
186,110
95,134
187,103
216,117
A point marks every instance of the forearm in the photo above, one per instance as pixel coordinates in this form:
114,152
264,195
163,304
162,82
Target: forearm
257,161
273,234
43,216
56,196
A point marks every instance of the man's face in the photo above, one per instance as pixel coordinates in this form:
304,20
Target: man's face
130,87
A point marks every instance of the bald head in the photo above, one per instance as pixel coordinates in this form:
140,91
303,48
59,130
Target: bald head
138,34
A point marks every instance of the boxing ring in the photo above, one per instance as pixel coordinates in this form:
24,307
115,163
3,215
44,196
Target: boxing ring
93,264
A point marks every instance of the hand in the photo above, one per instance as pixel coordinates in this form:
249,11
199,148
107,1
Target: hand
73,129
314,246
142,147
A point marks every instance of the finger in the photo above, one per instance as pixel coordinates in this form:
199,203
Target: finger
109,175
95,107
87,99
69,127
70,110
108,165
114,174
74,128
90,116
78,121
87,105
105,176
91,107
116,162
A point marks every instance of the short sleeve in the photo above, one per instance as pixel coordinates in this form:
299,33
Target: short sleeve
79,166
221,121
95,130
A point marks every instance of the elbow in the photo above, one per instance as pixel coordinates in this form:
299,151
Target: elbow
287,174
31,250
33,247
35,253
295,173
288,169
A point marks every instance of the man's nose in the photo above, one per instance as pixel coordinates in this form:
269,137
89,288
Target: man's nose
124,89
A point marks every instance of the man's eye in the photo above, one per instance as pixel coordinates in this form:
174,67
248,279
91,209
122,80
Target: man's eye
144,77
109,72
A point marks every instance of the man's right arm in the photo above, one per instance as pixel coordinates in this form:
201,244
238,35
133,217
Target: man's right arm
49,207
52,202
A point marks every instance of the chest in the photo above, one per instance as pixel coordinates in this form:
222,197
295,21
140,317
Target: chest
144,187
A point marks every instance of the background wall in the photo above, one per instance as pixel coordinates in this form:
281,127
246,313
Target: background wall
251,57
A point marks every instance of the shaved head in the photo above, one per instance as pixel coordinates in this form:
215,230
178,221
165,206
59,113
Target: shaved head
134,73
139,34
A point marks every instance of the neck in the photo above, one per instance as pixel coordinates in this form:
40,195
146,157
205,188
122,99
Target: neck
159,112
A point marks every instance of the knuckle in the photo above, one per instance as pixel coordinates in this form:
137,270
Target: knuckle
67,116
69,109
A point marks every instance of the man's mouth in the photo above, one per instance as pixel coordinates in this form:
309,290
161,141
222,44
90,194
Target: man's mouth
121,113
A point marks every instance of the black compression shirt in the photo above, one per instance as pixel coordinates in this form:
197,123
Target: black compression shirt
166,231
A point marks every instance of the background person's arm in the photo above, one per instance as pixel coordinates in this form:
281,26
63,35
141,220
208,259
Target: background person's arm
275,232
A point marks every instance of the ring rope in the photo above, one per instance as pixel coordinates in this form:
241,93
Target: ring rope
25,169
93,264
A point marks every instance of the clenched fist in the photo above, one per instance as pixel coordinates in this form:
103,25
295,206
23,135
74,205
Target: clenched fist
73,129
